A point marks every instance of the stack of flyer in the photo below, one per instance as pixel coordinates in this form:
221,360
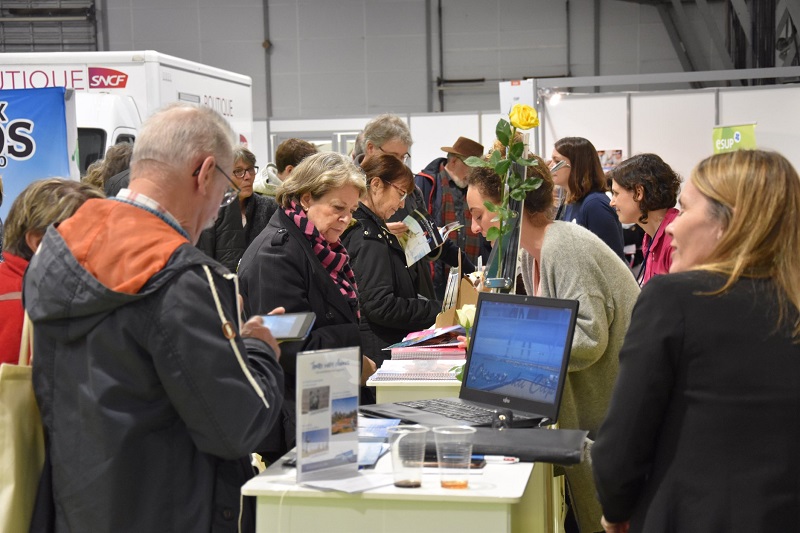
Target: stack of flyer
417,370
429,352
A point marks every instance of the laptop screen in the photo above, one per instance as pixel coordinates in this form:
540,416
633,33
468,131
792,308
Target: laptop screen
519,351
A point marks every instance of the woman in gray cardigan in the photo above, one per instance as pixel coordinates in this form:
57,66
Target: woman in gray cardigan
565,260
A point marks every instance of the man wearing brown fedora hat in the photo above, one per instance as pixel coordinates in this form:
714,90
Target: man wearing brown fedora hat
444,187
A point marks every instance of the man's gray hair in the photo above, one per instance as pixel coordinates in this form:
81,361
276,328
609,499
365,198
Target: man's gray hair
181,134
385,128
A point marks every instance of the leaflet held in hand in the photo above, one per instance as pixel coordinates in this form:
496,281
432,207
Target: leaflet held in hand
424,236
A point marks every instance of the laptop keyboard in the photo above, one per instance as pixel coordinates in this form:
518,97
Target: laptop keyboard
459,411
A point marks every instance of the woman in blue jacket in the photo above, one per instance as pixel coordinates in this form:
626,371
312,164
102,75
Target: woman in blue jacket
582,180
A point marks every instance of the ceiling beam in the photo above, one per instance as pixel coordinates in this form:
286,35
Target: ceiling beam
677,43
743,14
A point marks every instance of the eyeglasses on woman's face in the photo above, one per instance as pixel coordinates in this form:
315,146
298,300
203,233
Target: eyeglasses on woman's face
403,192
240,172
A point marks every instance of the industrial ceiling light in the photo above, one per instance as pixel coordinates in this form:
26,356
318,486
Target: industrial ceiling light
552,95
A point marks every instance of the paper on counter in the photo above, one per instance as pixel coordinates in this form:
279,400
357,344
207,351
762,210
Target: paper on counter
354,484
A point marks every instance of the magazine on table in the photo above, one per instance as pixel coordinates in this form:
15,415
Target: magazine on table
423,236
434,337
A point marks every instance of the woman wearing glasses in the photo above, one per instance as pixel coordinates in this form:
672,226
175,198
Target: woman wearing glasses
390,306
239,222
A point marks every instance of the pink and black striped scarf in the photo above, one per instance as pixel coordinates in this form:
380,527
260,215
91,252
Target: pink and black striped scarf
333,257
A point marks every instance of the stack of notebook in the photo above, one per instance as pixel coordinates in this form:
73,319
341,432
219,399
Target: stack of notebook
417,369
429,352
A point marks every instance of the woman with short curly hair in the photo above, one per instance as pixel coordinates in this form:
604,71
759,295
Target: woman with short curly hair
644,190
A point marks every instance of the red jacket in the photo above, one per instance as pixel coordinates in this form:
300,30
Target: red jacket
11,271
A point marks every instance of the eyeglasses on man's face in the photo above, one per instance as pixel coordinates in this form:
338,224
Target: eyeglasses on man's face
404,157
403,192
240,172
231,193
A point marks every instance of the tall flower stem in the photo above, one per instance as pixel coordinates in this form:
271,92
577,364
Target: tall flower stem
510,165
504,213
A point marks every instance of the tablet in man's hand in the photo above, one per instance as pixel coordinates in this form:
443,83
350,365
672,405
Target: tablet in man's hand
290,326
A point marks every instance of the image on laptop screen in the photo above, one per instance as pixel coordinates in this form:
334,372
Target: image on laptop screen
518,350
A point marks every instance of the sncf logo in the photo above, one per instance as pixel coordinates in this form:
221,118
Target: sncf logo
106,78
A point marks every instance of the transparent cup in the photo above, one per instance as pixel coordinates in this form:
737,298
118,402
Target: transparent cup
454,455
407,445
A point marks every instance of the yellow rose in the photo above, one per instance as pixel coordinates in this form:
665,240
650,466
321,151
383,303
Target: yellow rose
523,117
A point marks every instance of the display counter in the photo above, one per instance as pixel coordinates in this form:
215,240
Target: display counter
502,498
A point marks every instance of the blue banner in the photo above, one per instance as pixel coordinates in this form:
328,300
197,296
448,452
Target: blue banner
35,139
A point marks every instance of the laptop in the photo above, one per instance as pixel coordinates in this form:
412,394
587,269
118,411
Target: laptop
517,360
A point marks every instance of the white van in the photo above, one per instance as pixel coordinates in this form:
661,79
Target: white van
116,91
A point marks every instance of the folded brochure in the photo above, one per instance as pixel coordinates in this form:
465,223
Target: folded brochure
437,337
423,237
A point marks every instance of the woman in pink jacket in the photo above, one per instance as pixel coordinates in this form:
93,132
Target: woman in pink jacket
644,190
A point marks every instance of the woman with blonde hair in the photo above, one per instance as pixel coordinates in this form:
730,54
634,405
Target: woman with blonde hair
39,205
298,262
711,347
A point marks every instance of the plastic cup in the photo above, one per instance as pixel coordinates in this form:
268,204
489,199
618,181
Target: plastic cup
407,445
454,455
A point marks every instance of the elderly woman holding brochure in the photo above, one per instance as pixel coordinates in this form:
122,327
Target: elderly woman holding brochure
390,305
299,263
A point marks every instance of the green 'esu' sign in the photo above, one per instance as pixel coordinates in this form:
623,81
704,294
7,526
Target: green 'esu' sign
731,138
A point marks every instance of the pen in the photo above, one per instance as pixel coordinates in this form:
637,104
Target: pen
496,459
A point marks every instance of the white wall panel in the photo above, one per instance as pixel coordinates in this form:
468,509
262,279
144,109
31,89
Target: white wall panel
432,132
774,109
600,118
677,126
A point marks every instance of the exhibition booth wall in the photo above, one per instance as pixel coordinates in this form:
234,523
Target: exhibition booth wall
677,125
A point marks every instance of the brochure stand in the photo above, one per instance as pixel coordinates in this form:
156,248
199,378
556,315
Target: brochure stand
459,292
327,414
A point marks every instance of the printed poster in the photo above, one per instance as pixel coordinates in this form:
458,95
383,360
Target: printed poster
327,413
609,159
39,139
